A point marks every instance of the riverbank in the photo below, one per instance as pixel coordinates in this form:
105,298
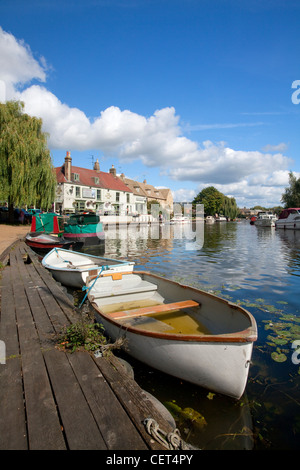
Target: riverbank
10,233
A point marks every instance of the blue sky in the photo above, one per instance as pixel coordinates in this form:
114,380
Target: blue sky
184,93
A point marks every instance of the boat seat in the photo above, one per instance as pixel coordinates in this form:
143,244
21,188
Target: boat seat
115,284
163,308
81,266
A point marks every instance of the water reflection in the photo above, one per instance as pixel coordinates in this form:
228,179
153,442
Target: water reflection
259,268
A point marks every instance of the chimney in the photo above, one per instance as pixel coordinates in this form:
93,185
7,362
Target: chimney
68,166
122,176
113,171
97,166
145,181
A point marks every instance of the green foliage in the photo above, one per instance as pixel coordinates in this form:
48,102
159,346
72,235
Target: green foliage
291,195
26,170
216,203
82,335
212,200
230,209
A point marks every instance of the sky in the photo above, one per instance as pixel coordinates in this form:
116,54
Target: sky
183,93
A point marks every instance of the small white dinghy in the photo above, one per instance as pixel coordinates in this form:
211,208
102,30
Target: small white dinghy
71,268
177,329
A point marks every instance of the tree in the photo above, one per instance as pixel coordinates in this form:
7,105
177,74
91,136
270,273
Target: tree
230,209
26,170
211,199
291,195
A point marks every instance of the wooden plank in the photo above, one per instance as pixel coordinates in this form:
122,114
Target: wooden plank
44,429
12,411
132,399
80,427
116,426
50,286
163,308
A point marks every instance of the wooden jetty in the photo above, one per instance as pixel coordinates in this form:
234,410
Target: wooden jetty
51,399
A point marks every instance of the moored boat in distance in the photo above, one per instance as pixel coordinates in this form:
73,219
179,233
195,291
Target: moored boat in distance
179,330
71,268
180,219
289,219
265,219
221,218
45,242
209,219
84,229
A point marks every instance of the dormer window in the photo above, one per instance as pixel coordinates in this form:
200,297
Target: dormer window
75,176
96,179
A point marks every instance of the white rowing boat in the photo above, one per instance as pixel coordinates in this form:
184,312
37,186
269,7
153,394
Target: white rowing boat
71,268
182,331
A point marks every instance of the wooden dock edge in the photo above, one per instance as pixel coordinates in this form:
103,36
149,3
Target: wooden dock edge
50,399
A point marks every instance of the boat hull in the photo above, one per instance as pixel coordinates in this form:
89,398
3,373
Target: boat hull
264,223
218,361
212,366
288,224
43,243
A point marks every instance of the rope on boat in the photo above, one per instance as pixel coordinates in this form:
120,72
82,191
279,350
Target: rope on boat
104,268
171,440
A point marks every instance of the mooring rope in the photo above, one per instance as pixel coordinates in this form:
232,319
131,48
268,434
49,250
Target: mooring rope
87,289
171,440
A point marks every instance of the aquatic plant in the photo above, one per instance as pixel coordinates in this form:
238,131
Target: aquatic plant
82,335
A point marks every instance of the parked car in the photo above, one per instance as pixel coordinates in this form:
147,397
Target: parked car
22,216
3,214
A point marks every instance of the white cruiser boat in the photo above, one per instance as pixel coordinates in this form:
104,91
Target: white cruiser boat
265,219
289,219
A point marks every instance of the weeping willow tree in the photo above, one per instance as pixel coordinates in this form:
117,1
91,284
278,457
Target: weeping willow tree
26,170
229,208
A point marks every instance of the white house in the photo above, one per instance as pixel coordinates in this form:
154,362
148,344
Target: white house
80,189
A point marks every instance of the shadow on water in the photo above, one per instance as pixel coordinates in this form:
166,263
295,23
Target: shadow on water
258,268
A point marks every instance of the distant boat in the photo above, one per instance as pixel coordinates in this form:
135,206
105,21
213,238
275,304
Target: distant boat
177,329
84,229
252,220
71,268
210,219
265,219
221,218
180,219
45,242
289,219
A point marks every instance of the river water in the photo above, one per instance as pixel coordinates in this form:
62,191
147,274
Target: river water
258,268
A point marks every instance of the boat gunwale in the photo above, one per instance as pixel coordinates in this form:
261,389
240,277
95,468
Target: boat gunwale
249,335
78,268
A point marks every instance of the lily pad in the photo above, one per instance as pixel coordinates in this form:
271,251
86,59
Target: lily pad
278,357
279,341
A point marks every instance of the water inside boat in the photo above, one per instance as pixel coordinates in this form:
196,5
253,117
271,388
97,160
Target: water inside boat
176,322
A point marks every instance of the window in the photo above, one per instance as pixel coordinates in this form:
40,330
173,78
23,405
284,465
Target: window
77,191
98,194
96,180
117,197
128,198
75,176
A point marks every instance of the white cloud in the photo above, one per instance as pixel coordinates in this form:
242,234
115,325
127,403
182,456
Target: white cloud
17,64
275,148
157,141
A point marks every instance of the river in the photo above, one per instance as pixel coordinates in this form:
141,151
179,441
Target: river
258,268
